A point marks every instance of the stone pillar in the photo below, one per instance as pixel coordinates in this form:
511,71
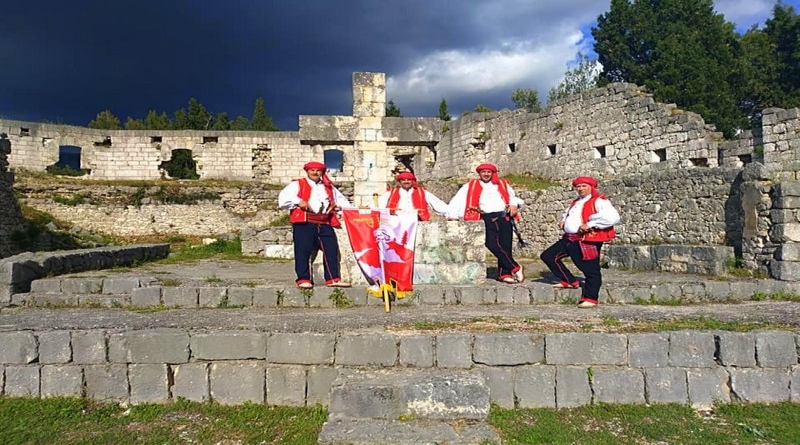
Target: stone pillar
372,158
785,231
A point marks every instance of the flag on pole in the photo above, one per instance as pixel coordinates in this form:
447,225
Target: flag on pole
383,246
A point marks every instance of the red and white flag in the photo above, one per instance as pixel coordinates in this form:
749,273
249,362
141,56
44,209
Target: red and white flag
383,246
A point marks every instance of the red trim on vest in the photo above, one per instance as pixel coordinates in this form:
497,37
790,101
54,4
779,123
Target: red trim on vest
298,215
589,209
474,197
417,199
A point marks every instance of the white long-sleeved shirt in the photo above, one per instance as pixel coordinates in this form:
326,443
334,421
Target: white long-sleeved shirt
318,201
605,217
491,200
406,203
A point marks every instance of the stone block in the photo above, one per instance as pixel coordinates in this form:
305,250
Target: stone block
430,294
416,351
707,386
450,296
366,349
508,349
228,345
212,296
240,296
286,385
306,348
617,385
190,382
18,348
149,346
146,296
89,347
234,383
267,296
54,347
785,233
737,349
542,293
469,295
181,297
534,386
776,349
521,295
794,384
62,381
149,383
454,351
82,285
572,386
589,349
666,385
743,290
692,349
106,382
760,385
117,300
46,286
501,385
650,350
420,394
22,381
120,285
785,270
397,432
720,291
293,297
321,297
320,380
788,252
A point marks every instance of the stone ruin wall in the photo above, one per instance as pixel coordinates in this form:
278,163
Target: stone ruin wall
11,219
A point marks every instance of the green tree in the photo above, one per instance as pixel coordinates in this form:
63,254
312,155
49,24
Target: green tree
582,76
679,49
105,120
481,108
180,120
783,33
526,98
392,110
443,113
197,118
222,122
260,120
759,74
241,123
155,121
134,124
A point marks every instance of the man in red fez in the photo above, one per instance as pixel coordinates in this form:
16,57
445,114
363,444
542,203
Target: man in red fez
587,223
313,203
410,197
494,201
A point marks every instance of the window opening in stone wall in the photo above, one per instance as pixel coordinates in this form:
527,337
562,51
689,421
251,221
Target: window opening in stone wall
210,139
699,162
403,163
155,139
46,141
334,160
106,142
512,147
24,131
69,162
181,165
551,149
657,156
600,152
745,159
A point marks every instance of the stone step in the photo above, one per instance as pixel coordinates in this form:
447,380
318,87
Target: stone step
409,394
413,432
146,291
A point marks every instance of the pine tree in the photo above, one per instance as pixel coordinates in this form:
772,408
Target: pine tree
260,120
443,113
105,120
392,110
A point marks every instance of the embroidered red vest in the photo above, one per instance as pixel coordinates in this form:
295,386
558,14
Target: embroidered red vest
298,215
589,209
417,198
474,197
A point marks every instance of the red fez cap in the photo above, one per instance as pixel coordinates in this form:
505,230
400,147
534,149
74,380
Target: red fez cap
315,165
406,175
585,180
491,167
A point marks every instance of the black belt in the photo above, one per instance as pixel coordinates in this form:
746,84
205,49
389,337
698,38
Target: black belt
493,215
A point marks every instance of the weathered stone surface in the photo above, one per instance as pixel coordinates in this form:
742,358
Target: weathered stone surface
228,345
501,385
146,296
22,381
760,385
534,386
572,386
184,297
397,432
366,349
666,385
61,381
301,348
454,351
590,349
191,382
737,349
416,351
286,385
89,347
319,382
18,348
149,383
106,382
149,346
234,383
618,385
691,349
508,349
776,349
707,386
650,350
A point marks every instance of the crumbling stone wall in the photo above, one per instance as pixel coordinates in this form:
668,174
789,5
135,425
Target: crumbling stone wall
11,219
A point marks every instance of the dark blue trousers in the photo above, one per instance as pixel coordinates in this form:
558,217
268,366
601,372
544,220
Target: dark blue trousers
554,255
308,238
500,241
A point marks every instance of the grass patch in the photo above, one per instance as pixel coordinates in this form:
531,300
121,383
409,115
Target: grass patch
661,424
218,250
776,296
341,300
662,302
76,421
735,267
213,279
530,182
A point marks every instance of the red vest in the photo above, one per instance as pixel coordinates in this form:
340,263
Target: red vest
417,198
298,215
589,209
474,197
